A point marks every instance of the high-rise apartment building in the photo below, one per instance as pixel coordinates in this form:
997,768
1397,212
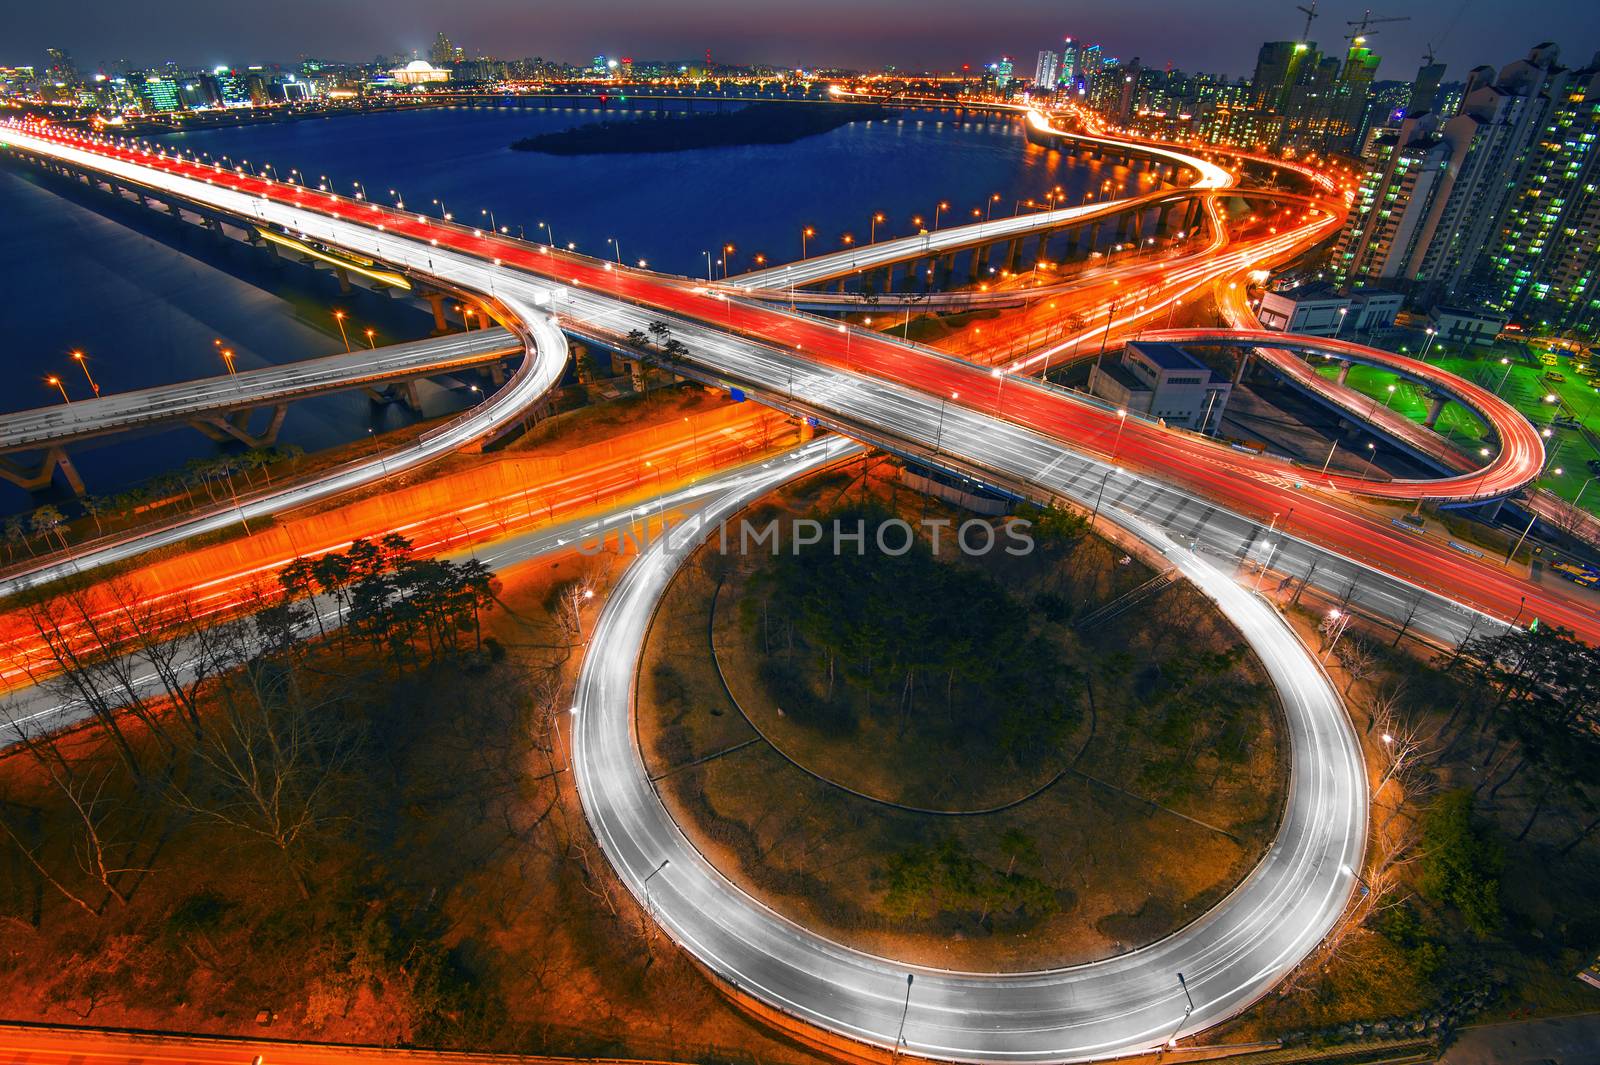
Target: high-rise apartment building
1495,207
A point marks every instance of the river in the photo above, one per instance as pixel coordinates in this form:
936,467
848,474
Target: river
147,305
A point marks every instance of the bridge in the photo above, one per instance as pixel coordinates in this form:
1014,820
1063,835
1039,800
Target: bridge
221,407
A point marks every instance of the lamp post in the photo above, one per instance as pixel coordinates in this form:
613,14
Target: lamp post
83,364
492,223
900,1036
1507,364
1330,456
1344,312
1426,344
1188,1010
1122,419
1110,317
938,209
442,212
338,316
616,248
371,345
227,360
1372,453
805,231
938,436
1579,497
549,234
62,388
872,229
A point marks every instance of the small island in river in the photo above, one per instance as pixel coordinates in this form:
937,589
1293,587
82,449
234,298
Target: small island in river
759,123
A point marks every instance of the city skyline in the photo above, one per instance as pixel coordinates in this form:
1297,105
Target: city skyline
934,36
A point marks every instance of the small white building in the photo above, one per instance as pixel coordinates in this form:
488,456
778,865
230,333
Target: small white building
1163,381
1460,326
1373,310
1314,310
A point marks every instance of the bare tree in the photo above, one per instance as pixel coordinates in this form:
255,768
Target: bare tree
271,761
1359,660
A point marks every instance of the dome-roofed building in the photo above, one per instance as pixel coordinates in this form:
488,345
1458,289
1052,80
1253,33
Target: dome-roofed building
419,72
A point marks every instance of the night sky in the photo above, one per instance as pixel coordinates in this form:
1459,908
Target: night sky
914,34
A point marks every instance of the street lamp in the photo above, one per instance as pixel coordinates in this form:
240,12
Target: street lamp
1188,1010
1122,419
1344,312
370,344
338,316
1579,497
83,364
549,234
1372,453
940,207
492,223
805,231
872,232
442,212
938,436
56,381
616,248
227,360
1432,332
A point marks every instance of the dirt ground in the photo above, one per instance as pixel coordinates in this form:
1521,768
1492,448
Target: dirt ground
770,801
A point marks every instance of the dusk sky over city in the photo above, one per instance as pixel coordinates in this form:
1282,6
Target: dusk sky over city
911,33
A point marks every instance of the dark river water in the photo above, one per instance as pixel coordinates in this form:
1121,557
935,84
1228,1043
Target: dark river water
147,303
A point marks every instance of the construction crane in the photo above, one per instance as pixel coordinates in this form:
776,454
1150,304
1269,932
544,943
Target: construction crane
1311,16
1361,31
1428,55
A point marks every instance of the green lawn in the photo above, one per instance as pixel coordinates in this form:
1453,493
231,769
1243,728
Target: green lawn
1523,384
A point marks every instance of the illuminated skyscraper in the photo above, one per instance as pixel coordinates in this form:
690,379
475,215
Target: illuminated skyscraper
1047,72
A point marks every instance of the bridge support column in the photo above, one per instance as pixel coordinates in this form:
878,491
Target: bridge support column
1243,367
235,426
1014,255
1344,372
1041,253
436,301
54,459
338,271
807,430
401,392
947,267
979,260
1437,401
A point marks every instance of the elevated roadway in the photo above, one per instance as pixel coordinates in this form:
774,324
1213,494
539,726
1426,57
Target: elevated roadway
252,389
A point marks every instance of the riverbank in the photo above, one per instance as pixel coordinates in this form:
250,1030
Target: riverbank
760,123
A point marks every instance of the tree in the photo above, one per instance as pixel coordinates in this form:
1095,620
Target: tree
46,520
1460,864
271,764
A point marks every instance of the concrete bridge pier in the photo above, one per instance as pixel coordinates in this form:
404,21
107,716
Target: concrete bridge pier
402,392
1041,253
38,480
436,301
977,263
1437,401
1244,365
946,268
1014,255
235,426
1344,372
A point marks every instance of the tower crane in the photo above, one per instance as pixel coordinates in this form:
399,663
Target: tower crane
1362,24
